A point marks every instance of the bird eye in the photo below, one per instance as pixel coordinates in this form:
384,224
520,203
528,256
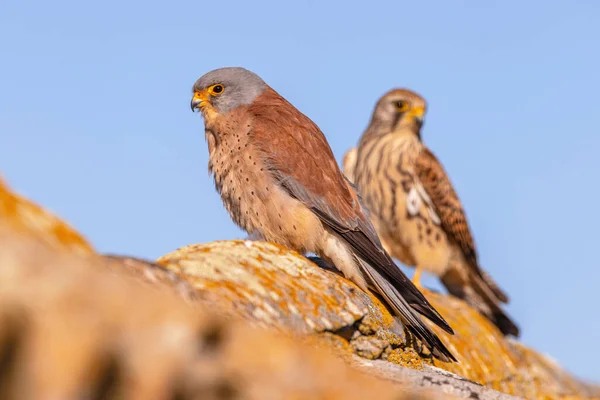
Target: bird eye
402,105
216,89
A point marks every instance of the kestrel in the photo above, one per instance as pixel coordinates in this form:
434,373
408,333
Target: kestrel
414,207
279,181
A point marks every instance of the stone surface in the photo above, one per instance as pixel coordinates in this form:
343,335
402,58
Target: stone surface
430,377
69,330
267,284
152,274
278,288
77,325
25,217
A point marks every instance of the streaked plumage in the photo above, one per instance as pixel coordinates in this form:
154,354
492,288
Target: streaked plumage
414,206
279,180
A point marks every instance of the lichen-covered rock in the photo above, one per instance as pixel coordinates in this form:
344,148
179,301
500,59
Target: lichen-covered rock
280,288
74,324
432,378
69,330
487,357
150,273
268,284
25,217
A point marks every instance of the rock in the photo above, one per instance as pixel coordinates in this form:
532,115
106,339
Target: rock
367,347
279,288
69,330
431,377
25,217
152,274
268,285
74,324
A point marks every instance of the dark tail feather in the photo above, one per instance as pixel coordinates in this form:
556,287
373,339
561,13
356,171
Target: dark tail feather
504,323
406,312
499,293
432,315
495,312
479,295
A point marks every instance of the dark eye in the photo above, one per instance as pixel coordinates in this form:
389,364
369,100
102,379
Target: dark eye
401,105
216,89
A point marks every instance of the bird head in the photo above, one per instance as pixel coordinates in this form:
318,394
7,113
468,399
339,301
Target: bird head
399,109
222,90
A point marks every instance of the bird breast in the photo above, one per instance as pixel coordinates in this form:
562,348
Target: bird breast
384,166
238,172
252,197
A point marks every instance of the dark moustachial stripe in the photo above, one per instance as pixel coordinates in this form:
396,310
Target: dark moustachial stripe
397,118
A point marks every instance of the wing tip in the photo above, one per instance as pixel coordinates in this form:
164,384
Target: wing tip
506,325
432,341
433,315
494,287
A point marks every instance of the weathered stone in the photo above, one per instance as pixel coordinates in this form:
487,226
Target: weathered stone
281,289
431,377
370,348
24,217
77,325
269,284
69,330
150,273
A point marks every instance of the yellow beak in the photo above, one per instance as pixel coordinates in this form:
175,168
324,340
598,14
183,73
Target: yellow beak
417,113
197,100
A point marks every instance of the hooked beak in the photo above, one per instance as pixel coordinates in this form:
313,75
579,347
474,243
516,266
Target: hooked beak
197,101
418,114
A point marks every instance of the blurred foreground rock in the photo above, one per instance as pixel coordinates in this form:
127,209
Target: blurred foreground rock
68,330
76,325
27,218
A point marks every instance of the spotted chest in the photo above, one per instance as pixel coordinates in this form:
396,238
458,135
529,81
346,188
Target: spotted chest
238,171
254,200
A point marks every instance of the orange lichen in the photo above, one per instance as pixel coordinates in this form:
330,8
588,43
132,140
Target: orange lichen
486,357
267,284
408,358
282,289
71,330
272,286
384,317
25,217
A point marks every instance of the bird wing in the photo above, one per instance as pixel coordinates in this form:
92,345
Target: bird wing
304,165
447,206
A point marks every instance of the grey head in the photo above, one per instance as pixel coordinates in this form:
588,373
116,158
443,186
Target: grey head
227,88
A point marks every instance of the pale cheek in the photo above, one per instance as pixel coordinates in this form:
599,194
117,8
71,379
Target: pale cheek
209,114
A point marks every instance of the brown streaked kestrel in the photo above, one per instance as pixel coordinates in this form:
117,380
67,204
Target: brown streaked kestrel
279,180
415,209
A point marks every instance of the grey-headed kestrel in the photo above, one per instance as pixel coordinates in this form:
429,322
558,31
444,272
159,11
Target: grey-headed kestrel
279,181
415,209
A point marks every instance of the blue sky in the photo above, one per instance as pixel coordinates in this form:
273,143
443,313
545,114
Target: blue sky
95,123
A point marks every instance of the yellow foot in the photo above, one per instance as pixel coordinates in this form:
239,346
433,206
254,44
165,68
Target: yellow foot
417,278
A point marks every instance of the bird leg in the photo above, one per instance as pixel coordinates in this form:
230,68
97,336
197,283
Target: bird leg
417,277
255,237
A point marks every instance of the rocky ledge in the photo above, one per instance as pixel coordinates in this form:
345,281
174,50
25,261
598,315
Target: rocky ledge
227,320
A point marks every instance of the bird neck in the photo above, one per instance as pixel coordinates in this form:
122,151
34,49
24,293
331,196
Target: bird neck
378,129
